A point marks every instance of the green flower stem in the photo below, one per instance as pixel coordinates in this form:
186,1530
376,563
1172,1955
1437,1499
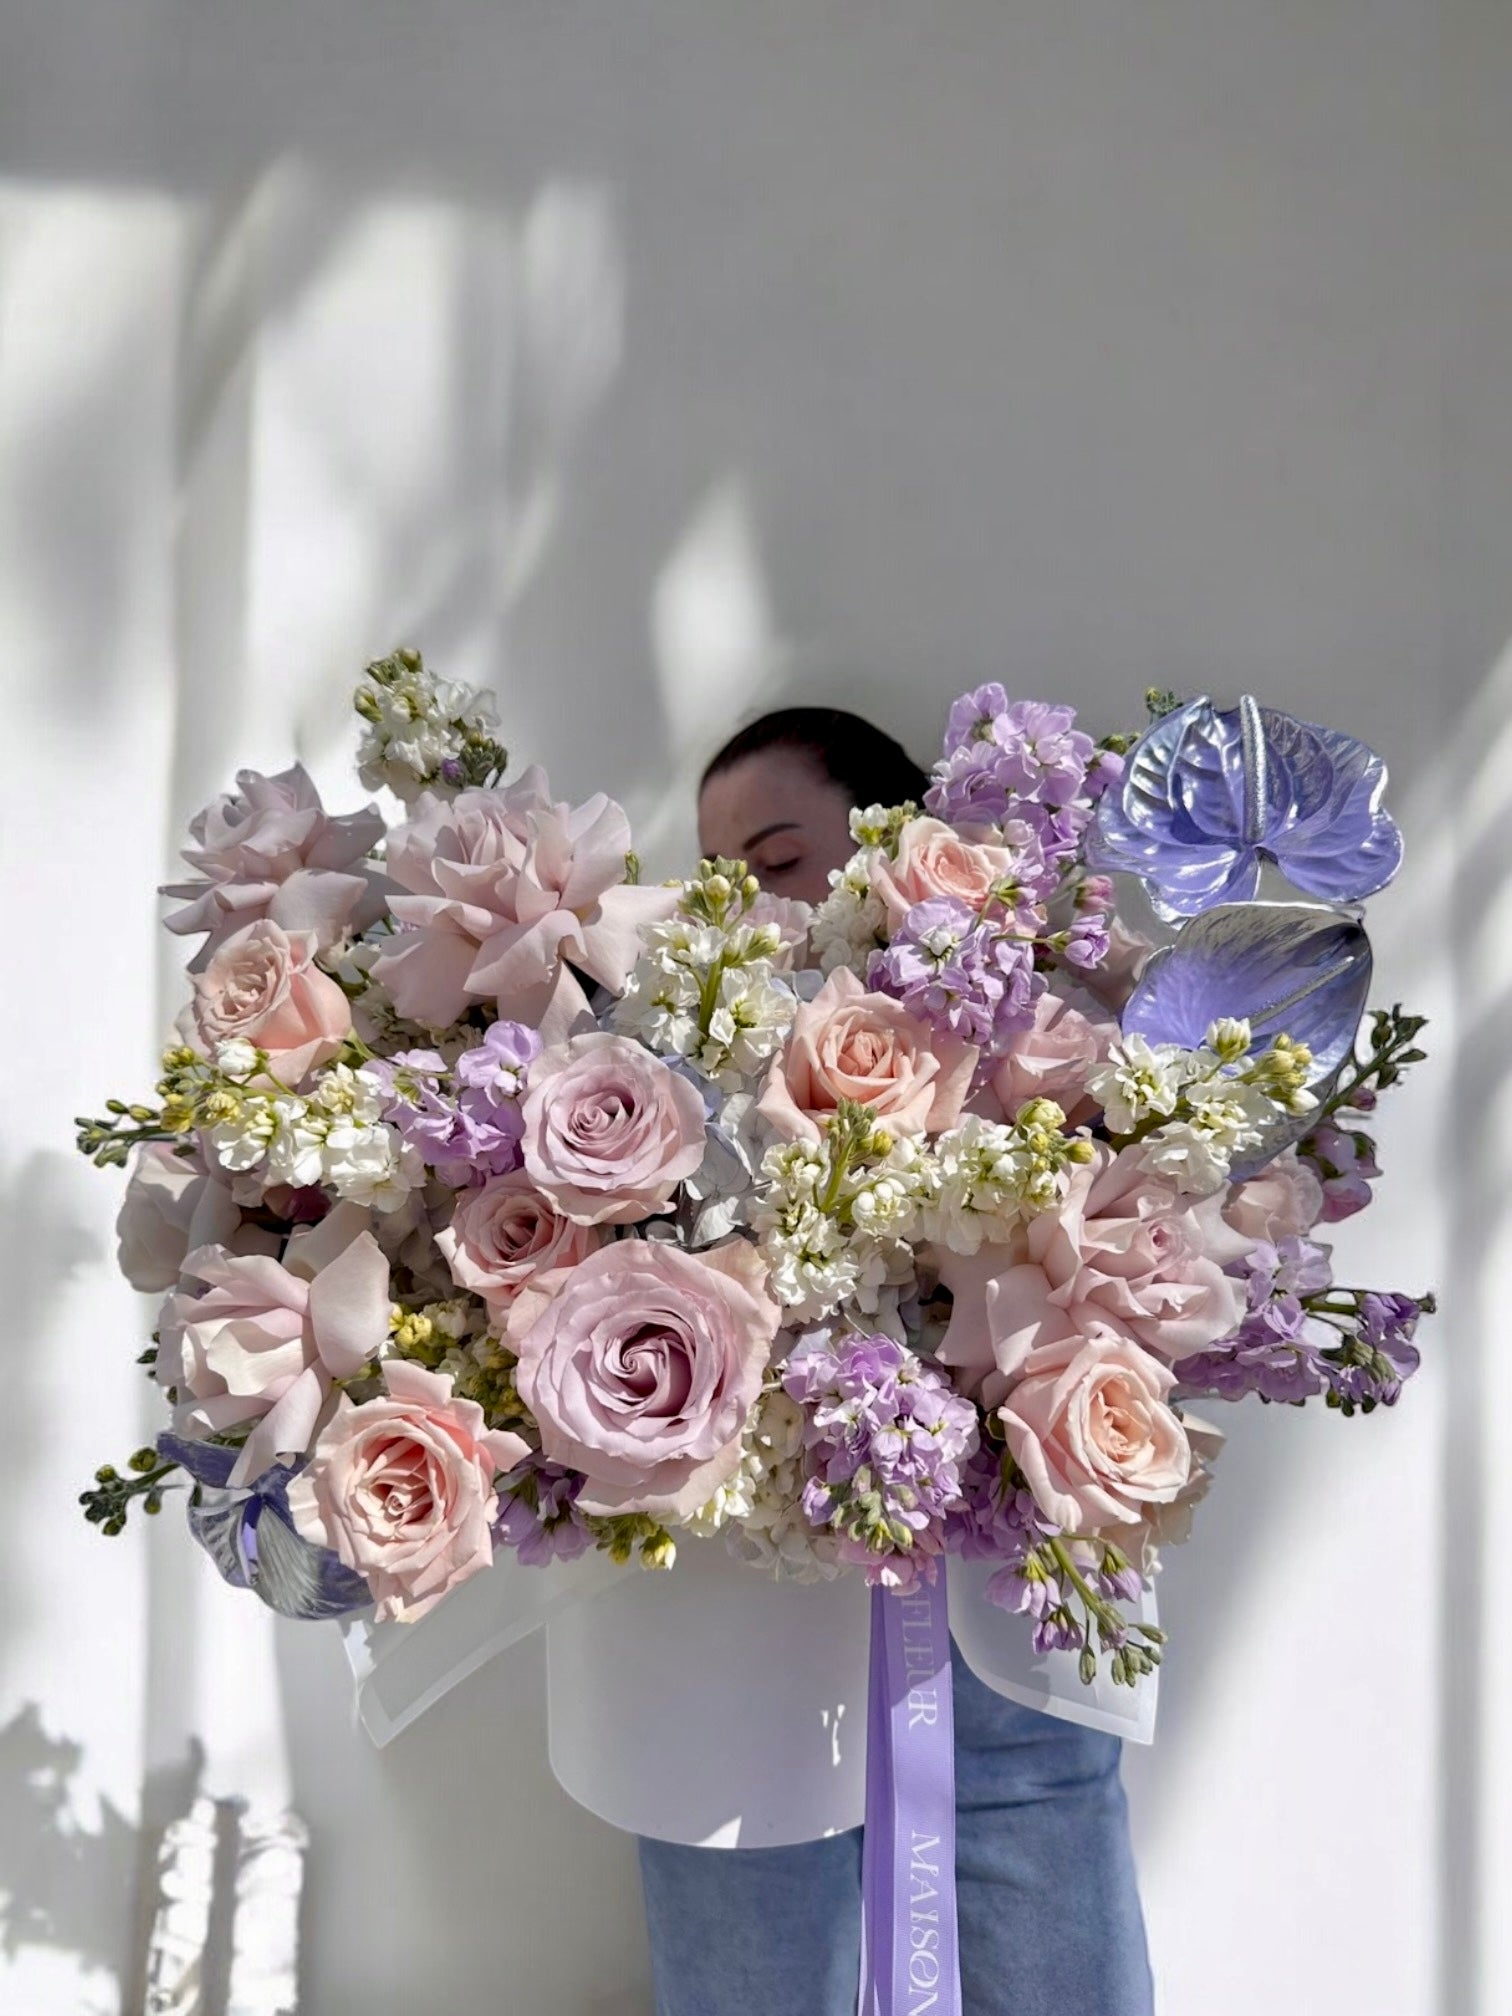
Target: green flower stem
708,998
1097,1606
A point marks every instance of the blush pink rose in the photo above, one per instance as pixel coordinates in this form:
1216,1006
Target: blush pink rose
1285,1200
262,1340
505,1232
609,1130
1124,1251
501,889
173,1206
263,984
1089,1426
849,1044
402,1489
1050,1059
270,849
641,1365
938,860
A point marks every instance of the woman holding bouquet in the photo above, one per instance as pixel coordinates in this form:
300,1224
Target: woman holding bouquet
1050,1921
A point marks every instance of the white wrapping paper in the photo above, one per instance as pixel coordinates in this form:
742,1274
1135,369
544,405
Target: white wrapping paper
712,1705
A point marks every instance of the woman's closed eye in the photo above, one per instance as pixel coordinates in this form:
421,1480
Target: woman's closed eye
770,868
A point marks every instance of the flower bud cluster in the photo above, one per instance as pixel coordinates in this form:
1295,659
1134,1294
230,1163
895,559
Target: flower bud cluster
422,733
707,986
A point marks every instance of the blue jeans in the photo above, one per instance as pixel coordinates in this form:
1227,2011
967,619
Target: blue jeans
1049,1909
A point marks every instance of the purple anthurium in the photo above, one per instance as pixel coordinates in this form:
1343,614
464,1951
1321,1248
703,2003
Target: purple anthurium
1294,969
249,1535
1210,794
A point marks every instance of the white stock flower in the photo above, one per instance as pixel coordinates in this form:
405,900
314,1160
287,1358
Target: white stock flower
827,1243
710,995
1139,1079
369,1164
1197,1163
851,923
236,1058
760,1510
240,1142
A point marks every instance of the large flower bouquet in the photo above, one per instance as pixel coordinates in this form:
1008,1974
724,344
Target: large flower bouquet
502,1201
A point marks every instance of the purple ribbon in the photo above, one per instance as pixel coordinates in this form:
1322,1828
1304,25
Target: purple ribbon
909,1961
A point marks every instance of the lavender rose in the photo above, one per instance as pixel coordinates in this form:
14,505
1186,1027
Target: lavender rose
504,1233
173,1205
610,1130
270,849
504,893
641,1365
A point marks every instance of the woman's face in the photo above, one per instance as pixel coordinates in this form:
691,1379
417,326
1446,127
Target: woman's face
780,814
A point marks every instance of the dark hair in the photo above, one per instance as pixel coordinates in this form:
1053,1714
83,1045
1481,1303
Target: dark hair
844,748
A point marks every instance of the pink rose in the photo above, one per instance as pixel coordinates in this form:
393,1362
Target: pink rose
401,1489
504,1233
939,860
1285,1200
641,1365
270,849
1089,1426
610,1130
503,888
848,1044
172,1206
1050,1059
1124,1251
263,1340
264,985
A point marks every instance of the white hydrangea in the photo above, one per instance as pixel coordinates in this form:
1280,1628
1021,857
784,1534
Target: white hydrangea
760,1509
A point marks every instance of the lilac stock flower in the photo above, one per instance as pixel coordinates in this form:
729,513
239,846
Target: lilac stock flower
994,1522
1270,1353
971,717
1019,759
1344,1160
887,1439
1290,1268
1303,1337
469,1134
971,976
538,1514
496,1067
1369,1369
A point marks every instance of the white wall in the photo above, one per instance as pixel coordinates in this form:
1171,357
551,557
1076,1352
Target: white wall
652,360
